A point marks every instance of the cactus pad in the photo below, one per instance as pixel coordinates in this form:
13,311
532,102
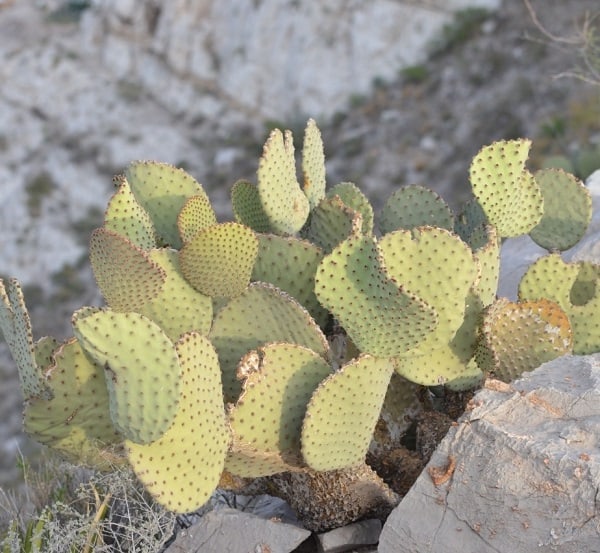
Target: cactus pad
162,191
507,192
140,368
263,313
415,206
351,195
218,260
182,468
278,381
471,217
16,328
342,413
486,251
283,201
313,164
195,215
567,210
126,276
519,337
247,208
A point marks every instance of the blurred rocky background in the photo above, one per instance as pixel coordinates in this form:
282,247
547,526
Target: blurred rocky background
404,92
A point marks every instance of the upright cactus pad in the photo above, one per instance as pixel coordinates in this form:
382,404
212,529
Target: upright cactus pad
218,260
125,275
415,206
278,381
195,215
341,415
182,468
470,218
141,370
352,197
380,317
262,314
485,244
283,201
16,328
162,190
567,210
506,190
247,208
313,164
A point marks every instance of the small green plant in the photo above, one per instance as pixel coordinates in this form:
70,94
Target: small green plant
232,352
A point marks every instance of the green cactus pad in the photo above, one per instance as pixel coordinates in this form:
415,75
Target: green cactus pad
437,266
218,260
290,264
313,164
470,218
195,215
507,192
415,206
125,275
351,196
567,210
486,250
519,337
331,222
262,314
16,328
76,422
162,191
342,413
247,208
549,277
380,317
125,216
278,381
178,308
140,368
182,468
283,201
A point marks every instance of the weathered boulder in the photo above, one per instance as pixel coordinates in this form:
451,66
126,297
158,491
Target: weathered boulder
520,472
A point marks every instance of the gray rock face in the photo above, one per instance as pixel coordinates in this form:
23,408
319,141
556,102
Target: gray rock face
519,473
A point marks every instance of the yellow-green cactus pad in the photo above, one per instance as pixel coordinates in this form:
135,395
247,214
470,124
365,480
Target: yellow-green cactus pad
342,413
76,422
283,201
438,267
519,337
379,315
313,164
351,196
262,314
549,277
162,191
195,215
567,210
182,468
125,275
16,328
290,264
506,190
277,382
415,206
141,370
125,216
178,308
485,244
218,260
331,222
247,208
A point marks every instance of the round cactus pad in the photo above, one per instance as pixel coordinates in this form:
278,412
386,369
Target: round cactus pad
352,197
342,413
262,314
141,370
247,208
125,275
182,468
218,260
378,315
567,210
162,191
195,215
507,192
313,164
278,380
415,206
283,201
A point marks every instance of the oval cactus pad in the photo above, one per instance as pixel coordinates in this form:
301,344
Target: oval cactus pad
182,468
140,367
342,413
313,164
195,215
352,197
247,208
